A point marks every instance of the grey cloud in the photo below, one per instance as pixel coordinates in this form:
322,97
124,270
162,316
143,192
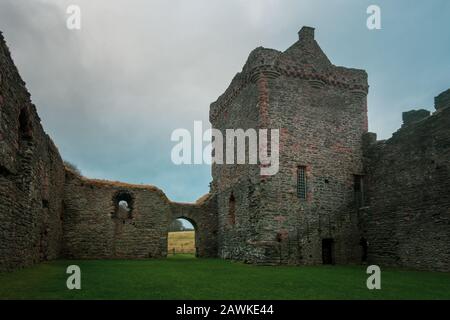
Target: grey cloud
111,94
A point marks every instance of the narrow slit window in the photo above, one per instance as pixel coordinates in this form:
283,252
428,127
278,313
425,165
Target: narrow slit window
232,210
25,125
301,182
358,189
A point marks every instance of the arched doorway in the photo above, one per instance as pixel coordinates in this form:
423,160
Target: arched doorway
181,238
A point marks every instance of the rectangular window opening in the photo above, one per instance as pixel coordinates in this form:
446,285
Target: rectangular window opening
301,182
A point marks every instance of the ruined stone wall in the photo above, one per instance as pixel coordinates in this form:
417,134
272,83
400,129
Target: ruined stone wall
47,211
95,226
31,177
408,175
237,186
321,112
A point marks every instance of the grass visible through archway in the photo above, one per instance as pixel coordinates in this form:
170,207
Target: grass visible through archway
184,277
181,242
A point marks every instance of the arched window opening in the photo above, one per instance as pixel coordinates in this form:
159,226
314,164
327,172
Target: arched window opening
123,205
232,210
181,238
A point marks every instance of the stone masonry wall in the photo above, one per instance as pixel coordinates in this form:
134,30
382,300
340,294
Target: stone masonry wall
408,178
95,226
31,177
321,112
240,182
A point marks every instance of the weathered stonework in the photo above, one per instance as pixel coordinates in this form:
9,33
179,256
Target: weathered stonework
93,229
407,222
383,202
31,177
321,112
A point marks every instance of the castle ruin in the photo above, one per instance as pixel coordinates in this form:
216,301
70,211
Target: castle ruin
340,196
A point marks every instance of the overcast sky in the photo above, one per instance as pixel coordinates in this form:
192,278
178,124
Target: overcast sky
111,93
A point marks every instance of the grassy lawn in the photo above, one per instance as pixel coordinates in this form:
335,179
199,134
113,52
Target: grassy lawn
184,277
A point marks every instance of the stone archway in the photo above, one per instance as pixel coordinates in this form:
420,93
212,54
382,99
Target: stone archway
182,237
204,220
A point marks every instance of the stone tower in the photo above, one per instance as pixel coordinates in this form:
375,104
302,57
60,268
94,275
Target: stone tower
307,213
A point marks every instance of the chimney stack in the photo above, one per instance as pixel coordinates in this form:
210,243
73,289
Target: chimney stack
306,34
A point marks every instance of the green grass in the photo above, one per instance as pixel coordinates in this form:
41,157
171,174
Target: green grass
184,277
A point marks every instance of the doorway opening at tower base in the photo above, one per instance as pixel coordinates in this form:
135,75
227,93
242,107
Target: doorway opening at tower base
328,251
364,248
181,238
